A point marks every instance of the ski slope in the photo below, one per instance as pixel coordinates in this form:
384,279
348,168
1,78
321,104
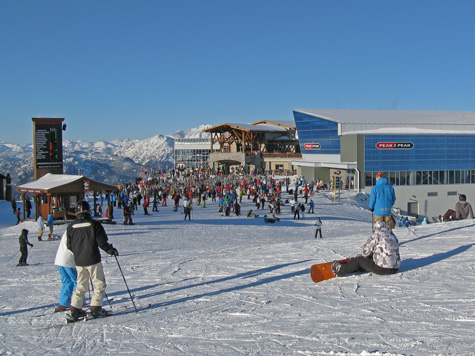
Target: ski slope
221,285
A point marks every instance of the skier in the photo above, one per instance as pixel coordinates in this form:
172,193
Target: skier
50,223
127,215
311,206
23,239
41,225
237,209
463,209
84,238
380,254
318,224
187,208
67,269
18,216
145,207
302,209
155,205
382,199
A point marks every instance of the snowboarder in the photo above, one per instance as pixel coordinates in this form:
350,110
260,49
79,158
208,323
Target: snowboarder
380,254
23,239
67,269
84,238
318,224
382,199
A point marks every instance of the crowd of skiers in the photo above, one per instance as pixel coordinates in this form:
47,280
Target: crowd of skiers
265,192
78,256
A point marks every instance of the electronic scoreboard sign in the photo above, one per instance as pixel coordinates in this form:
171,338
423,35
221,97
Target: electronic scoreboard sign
48,146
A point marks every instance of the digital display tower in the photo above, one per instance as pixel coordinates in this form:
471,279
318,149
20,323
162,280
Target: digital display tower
48,146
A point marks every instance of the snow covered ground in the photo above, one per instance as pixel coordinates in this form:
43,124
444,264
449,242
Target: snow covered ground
221,285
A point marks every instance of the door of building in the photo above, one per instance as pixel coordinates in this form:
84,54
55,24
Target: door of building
413,208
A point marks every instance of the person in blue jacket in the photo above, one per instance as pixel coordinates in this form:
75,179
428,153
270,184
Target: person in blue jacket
381,200
50,223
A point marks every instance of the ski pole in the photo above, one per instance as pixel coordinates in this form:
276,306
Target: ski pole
108,300
13,256
412,232
126,283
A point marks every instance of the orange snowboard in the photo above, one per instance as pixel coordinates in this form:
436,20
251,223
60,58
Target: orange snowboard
323,271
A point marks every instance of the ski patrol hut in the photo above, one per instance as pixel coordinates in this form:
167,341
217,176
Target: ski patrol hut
428,156
58,194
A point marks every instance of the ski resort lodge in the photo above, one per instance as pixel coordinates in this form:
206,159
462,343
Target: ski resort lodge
428,156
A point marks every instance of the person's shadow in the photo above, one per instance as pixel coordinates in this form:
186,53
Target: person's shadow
414,263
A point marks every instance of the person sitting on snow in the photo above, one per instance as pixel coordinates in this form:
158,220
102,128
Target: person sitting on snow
463,209
380,254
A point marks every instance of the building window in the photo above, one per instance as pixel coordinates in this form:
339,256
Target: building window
423,177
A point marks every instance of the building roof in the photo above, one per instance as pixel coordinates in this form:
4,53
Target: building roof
285,123
258,127
397,121
62,183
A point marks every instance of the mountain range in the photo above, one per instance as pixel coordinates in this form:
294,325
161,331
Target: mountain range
111,162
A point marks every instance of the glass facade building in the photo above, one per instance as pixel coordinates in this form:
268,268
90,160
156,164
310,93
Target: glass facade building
316,135
428,156
192,152
420,159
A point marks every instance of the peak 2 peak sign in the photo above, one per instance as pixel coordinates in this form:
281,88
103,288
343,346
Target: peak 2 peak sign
394,145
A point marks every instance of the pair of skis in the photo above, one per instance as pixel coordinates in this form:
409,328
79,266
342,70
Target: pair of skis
88,316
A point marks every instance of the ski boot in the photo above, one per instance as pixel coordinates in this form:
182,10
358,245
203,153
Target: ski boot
98,312
76,314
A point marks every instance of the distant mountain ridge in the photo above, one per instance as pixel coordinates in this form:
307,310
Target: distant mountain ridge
110,162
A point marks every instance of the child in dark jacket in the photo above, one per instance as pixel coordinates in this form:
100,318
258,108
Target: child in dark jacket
23,239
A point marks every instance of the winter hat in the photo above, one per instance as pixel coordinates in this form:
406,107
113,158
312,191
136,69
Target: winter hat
379,175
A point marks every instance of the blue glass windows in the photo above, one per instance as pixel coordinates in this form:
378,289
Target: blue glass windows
317,135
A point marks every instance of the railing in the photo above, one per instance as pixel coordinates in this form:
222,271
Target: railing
281,155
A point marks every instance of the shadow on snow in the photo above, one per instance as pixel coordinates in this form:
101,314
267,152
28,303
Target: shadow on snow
415,263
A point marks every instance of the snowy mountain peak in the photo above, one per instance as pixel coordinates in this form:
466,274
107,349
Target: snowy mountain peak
105,161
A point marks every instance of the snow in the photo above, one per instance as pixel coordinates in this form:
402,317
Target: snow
49,181
221,285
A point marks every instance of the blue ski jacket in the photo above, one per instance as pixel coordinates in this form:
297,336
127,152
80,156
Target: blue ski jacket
382,198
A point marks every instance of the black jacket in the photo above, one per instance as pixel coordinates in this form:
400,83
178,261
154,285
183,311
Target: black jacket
85,236
23,239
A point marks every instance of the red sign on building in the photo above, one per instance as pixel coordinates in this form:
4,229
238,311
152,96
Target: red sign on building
312,146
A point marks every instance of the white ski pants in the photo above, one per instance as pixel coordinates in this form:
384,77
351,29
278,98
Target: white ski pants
96,274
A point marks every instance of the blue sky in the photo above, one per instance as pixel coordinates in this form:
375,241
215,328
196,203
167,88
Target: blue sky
135,69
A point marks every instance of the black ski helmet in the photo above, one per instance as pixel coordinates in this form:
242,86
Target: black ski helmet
82,207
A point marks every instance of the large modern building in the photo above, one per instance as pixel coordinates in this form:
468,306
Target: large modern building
429,156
